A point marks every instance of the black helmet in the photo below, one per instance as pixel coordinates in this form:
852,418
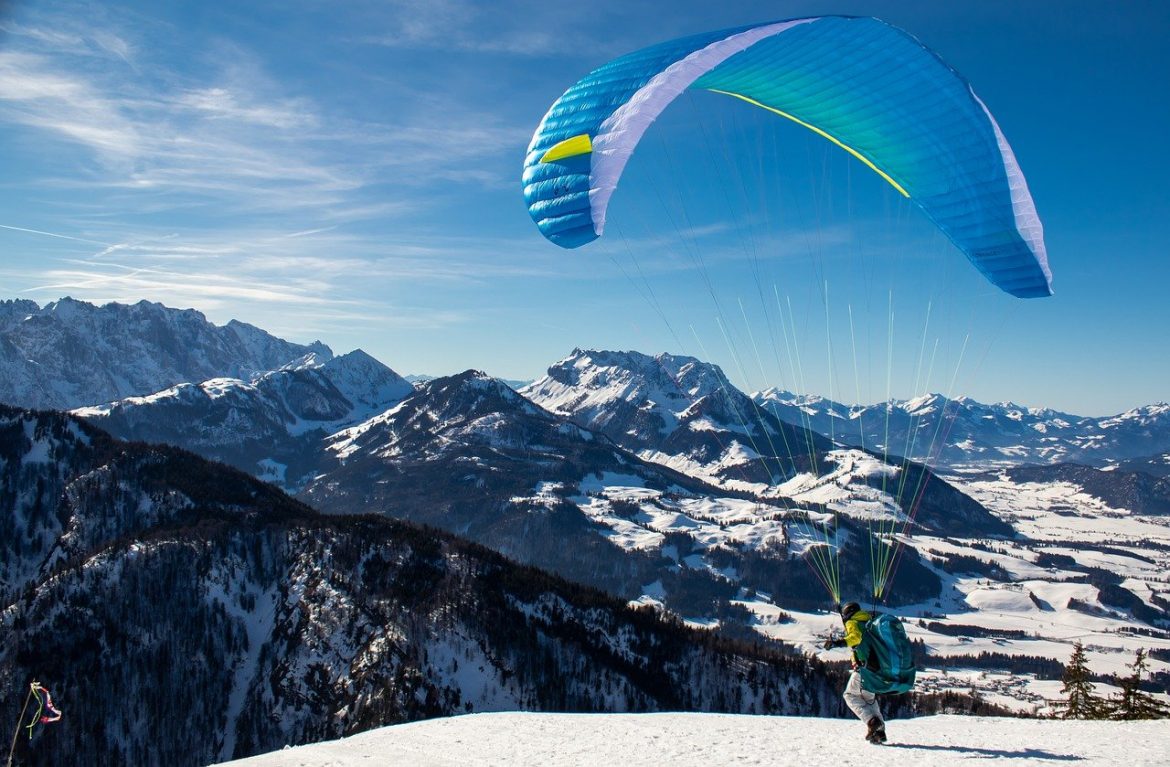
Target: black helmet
848,609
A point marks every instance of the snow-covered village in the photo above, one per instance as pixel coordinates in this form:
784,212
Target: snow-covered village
459,383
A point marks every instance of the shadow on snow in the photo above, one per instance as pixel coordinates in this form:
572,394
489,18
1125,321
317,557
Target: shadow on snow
999,753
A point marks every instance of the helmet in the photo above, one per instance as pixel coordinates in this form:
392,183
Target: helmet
848,609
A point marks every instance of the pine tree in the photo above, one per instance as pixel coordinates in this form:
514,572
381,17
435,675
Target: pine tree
1079,701
1133,702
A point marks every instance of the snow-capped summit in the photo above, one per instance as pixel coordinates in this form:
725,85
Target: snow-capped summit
471,395
555,494
71,353
369,385
14,311
545,491
468,411
588,384
445,413
684,414
924,404
1156,415
677,411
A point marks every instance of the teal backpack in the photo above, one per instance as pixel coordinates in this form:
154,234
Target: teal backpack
890,665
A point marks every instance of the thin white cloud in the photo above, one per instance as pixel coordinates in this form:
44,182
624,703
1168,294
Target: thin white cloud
190,289
65,34
113,44
65,104
235,139
310,232
328,260
526,29
50,234
289,293
219,103
55,38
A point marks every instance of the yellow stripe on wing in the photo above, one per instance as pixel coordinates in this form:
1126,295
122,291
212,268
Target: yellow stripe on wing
817,130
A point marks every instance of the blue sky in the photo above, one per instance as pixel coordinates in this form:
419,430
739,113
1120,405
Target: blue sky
350,173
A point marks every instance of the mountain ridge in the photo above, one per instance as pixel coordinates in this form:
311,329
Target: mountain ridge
72,354
271,426
695,513
153,571
962,433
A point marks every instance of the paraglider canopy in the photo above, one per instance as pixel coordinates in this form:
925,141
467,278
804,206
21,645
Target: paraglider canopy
866,86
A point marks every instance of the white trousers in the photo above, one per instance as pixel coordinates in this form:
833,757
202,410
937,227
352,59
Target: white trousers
861,702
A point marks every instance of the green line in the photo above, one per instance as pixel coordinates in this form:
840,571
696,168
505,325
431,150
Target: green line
742,422
809,436
760,364
856,377
915,500
879,584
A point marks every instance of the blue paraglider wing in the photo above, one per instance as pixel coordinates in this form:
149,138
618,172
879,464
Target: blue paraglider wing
866,86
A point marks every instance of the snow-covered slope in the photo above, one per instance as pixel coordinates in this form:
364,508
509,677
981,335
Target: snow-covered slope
685,414
272,426
71,353
547,492
706,740
369,385
1087,562
1078,569
1134,490
677,411
552,493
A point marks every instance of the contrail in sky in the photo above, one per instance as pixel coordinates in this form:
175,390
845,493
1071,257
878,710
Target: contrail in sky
51,234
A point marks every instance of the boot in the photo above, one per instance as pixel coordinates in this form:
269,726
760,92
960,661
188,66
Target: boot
876,730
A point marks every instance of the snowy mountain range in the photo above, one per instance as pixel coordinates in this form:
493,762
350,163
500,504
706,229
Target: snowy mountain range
271,426
183,612
497,457
657,481
547,492
963,433
685,414
71,353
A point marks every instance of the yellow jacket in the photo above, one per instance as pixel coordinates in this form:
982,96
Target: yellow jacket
854,633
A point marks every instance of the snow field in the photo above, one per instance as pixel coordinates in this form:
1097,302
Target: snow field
704,740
